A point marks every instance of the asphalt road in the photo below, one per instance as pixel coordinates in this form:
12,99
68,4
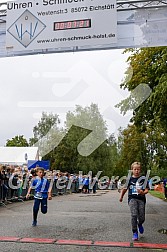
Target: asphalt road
99,217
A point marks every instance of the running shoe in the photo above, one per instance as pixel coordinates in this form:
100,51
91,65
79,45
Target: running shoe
34,223
135,236
141,229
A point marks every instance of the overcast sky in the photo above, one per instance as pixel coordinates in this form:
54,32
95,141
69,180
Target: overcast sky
56,83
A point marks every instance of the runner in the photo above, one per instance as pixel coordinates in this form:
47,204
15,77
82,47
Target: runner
42,193
136,199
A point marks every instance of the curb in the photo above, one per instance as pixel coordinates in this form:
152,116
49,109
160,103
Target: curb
83,242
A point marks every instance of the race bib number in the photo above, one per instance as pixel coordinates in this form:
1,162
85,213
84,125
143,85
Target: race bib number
38,195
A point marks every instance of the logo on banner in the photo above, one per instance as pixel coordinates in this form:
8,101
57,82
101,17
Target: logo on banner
26,28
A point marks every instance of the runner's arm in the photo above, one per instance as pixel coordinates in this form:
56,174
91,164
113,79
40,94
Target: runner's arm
28,193
122,194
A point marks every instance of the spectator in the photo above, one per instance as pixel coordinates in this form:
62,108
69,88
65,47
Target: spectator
119,185
95,184
165,187
13,187
19,184
4,187
86,184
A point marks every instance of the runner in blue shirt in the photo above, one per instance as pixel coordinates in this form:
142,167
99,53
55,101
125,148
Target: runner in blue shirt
42,193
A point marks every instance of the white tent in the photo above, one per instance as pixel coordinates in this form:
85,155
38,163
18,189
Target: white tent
18,155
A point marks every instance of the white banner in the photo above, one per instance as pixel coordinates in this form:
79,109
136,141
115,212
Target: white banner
49,24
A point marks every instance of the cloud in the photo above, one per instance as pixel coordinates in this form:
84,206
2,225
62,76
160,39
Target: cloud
81,78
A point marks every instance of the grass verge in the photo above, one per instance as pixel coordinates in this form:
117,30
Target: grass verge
157,194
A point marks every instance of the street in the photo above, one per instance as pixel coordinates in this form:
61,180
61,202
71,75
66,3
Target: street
82,217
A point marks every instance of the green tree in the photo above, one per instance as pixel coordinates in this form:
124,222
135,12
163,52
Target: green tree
113,156
156,142
47,122
149,67
46,134
66,156
133,148
80,124
148,147
18,141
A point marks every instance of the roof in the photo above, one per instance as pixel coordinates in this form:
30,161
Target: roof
18,155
